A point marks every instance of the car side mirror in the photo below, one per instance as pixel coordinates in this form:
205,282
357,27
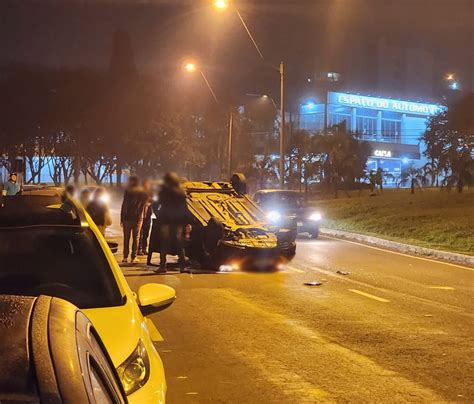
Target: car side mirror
113,246
154,297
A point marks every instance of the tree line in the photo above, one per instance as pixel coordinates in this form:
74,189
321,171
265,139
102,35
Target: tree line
449,141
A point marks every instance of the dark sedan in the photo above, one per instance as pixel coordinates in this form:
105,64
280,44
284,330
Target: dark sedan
289,207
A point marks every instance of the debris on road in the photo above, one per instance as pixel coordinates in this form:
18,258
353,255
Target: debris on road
343,273
314,283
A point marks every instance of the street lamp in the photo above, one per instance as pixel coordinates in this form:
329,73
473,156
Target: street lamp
452,82
224,4
191,67
267,97
221,4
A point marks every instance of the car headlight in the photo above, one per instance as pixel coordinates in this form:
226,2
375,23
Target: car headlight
315,217
135,371
274,216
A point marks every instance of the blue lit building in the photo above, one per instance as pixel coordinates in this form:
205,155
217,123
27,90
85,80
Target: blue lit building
393,127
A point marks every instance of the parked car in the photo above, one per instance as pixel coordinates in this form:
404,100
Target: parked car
51,352
49,246
289,208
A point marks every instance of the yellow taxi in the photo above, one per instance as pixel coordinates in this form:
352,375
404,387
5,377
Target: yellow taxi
52,247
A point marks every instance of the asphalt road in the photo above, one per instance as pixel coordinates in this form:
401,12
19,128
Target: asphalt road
394,329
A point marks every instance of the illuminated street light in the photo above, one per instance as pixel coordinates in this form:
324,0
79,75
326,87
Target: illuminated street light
453,84
190,67
224,4
265,96
221,4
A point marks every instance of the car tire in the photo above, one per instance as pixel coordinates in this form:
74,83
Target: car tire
314,234
239,182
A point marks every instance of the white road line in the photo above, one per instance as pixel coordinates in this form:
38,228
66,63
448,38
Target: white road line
292,268
441,287
359,292
399,253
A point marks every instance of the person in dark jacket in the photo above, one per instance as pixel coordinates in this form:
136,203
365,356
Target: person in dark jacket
99,211
11,186
145,232
171,217
131,216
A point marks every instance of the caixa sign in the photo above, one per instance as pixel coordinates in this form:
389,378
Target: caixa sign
383,150
382,153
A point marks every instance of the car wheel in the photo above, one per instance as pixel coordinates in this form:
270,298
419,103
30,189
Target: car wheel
314,234
239,182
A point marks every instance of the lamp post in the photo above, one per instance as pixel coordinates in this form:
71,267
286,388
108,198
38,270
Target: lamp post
282,125
225,4
191,67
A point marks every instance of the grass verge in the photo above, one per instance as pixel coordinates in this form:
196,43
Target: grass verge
432,218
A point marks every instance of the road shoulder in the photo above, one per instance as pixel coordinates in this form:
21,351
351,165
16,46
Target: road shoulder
409,249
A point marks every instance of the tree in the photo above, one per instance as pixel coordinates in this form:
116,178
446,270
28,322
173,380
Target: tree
449,141
298,152
413,176
343,157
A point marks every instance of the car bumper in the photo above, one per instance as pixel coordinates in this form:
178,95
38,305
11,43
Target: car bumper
256,258
307,226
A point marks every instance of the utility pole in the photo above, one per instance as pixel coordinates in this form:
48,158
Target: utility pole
282,125
229,161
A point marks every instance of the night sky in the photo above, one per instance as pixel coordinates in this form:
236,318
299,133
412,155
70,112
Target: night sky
308,35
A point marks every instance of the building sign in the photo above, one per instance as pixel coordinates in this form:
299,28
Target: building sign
382,153
387,104
383,150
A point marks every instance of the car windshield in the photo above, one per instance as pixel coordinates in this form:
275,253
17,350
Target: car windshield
288,200
58,261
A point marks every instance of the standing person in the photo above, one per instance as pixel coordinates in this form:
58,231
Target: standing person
145,232
99,211
171,216
11,186
85,197
131,216
379,178
66,204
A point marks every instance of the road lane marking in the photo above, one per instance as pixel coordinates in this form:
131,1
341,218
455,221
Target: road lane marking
293,381
359,292
399,253
292,268
439,305
441,287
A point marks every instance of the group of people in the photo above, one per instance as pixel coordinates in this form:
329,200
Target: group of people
140,209
170,216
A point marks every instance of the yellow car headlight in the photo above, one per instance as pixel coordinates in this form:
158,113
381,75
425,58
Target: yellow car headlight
135,371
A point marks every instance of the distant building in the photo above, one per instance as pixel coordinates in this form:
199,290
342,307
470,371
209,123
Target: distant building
392,126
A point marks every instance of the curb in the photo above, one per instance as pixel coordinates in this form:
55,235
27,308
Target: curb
410,249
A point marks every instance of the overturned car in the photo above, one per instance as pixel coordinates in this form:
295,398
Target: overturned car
229,231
